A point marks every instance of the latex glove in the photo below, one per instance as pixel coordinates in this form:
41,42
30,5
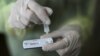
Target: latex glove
67,42
25,12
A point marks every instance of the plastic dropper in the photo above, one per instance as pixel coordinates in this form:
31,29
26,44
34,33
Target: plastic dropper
46,28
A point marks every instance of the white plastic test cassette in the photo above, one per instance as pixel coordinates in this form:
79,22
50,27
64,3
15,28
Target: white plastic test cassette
36,43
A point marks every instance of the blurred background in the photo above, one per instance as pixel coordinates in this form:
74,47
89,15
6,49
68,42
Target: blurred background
91,47
4,10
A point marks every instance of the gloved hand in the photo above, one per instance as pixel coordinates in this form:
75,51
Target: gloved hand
26,12
67,41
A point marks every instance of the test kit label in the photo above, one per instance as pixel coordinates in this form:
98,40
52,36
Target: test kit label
36,43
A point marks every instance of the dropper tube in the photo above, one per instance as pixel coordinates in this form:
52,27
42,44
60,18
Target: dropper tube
46,28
